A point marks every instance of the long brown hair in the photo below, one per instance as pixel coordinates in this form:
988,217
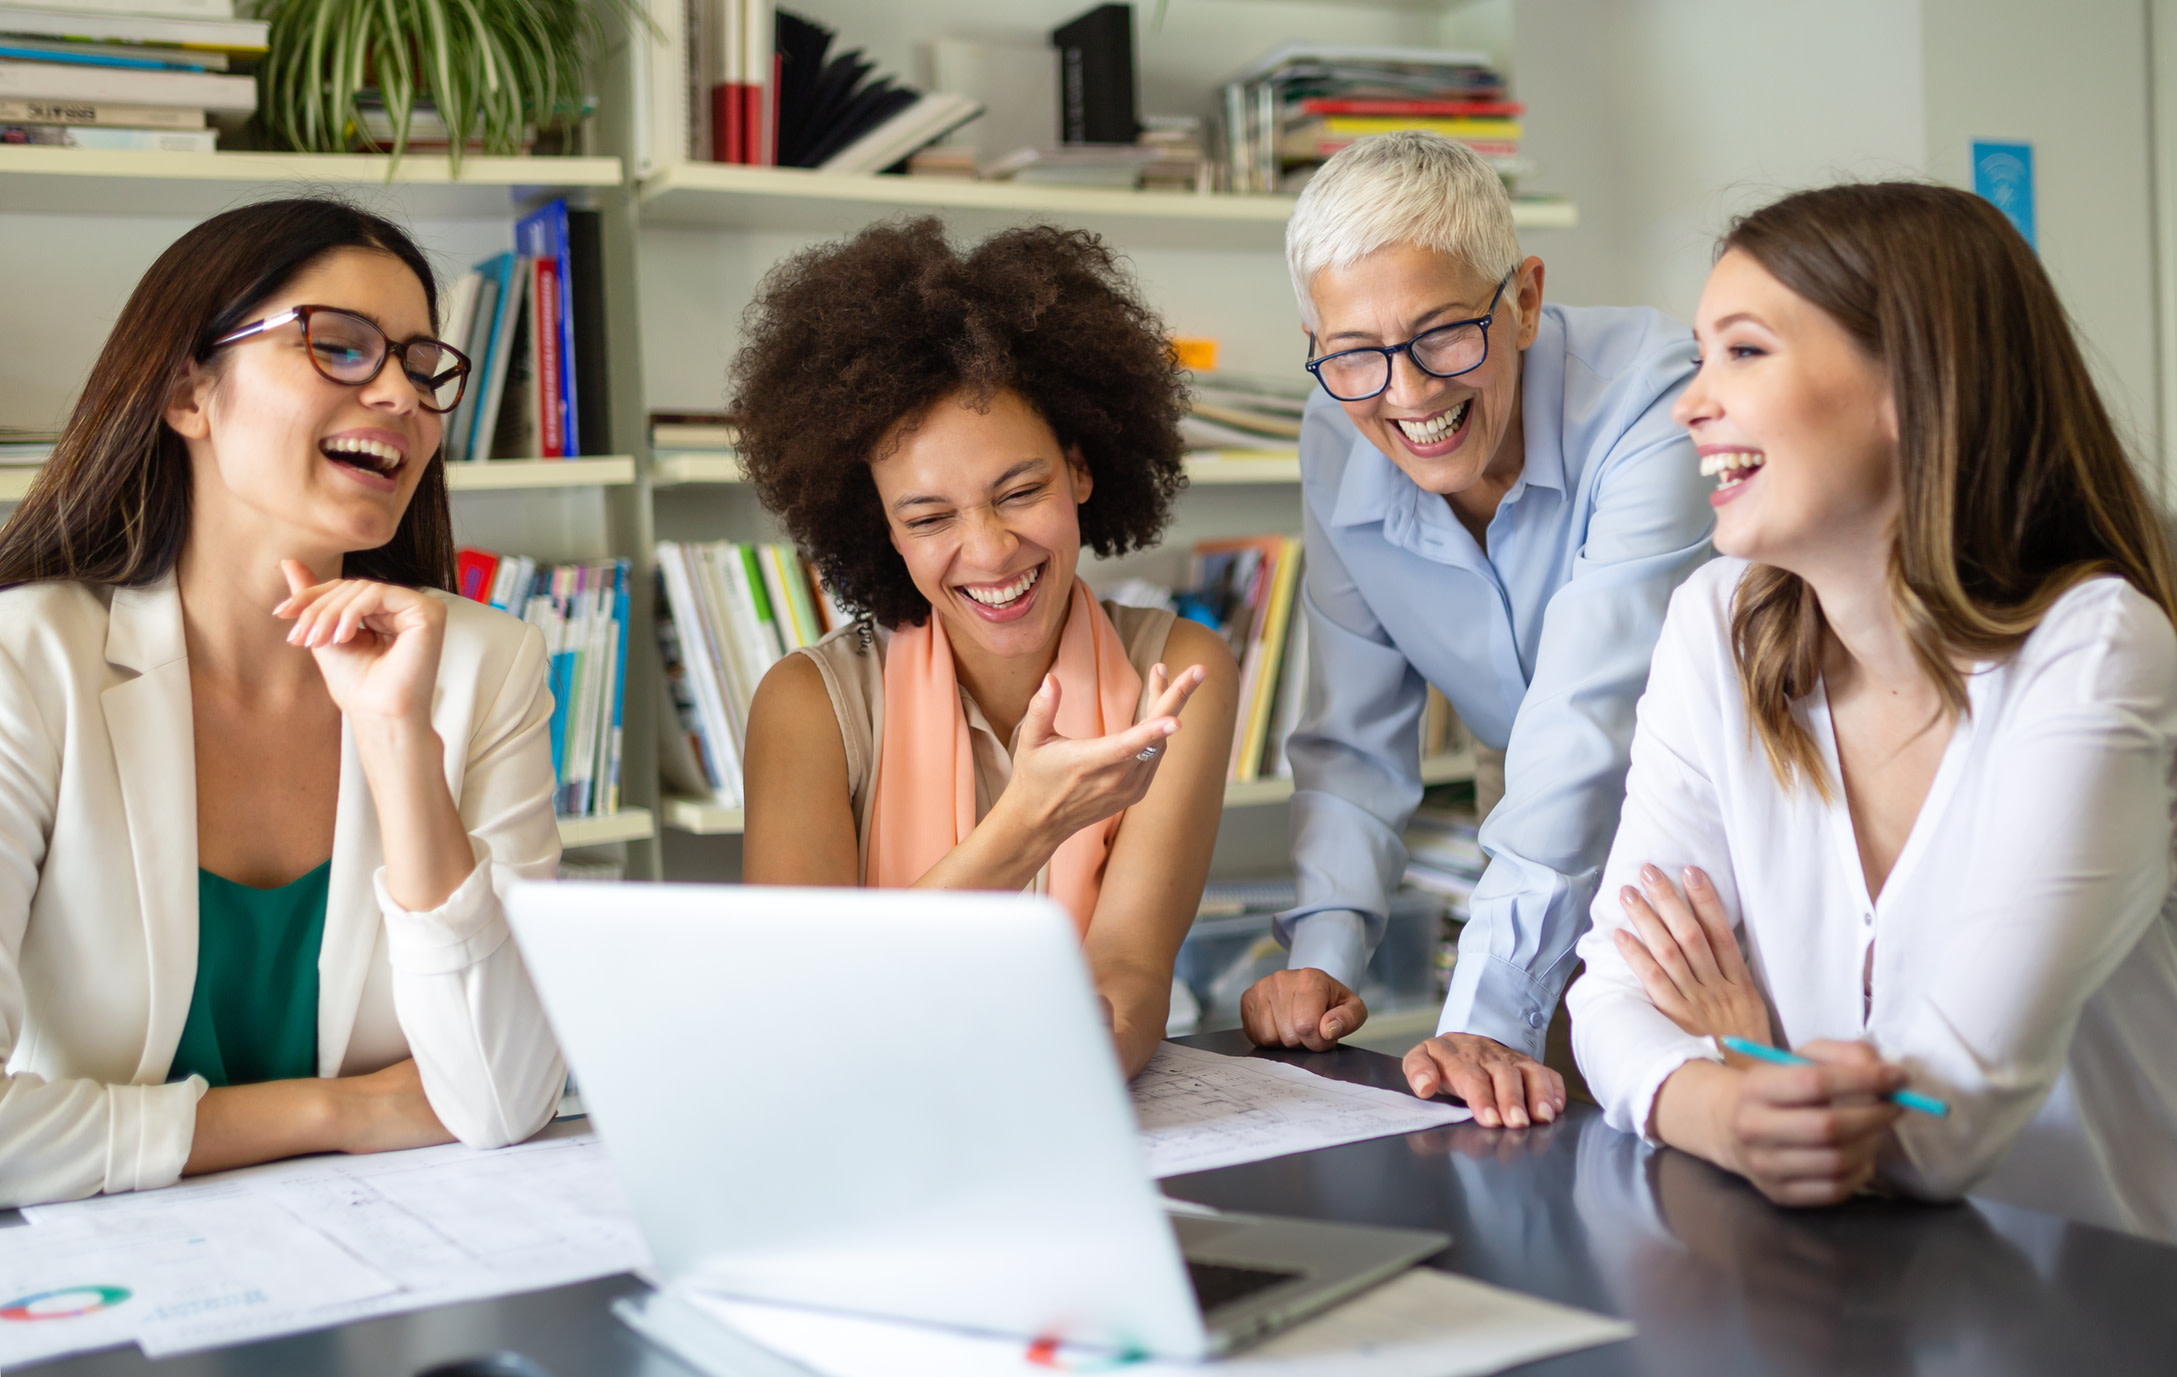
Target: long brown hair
2016,485
112,504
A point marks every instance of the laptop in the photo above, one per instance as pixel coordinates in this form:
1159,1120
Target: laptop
902,1104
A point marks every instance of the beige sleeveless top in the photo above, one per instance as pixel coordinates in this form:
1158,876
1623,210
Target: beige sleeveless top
851,660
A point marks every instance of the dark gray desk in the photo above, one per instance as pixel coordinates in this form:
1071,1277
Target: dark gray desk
1718,1281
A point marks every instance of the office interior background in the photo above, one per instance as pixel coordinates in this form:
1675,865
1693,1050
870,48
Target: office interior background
1647,124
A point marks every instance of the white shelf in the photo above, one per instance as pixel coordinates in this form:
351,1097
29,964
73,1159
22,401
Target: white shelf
787,198
629,824
705,818
676,467
83,181
672,468
500,475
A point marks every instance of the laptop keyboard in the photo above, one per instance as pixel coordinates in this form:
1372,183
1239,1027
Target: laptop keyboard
1217,1284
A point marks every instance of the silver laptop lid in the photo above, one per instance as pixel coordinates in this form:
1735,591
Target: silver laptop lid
893,1102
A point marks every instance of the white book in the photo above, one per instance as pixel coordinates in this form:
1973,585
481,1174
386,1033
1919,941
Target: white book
714,600
458,316
758,641
131,23
60,81
926,121
700,660
176,9
735,625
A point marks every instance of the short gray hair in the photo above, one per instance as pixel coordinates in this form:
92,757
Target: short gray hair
1410,187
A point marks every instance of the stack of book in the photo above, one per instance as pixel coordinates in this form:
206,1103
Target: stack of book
1244,412
533,325
1297,105
582,610
145,75
1180,164
726,613
1444,857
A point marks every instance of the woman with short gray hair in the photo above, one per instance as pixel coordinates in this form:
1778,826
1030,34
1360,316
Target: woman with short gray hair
1496,503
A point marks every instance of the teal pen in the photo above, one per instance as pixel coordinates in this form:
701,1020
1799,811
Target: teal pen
1908,1099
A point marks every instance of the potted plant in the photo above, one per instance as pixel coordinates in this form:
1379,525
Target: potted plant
384,74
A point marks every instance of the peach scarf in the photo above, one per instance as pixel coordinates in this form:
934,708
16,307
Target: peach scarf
925,788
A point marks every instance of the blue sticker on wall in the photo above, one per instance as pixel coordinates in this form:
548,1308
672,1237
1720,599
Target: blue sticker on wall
2003,173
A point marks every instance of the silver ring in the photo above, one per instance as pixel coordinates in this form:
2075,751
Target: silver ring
1146,753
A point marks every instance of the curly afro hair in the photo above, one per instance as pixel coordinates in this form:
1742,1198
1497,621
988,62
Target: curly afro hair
844,342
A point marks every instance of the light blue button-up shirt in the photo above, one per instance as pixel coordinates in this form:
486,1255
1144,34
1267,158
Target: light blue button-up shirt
1541,644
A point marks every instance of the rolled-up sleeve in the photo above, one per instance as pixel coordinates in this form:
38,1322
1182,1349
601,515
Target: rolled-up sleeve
474,1024
1565,765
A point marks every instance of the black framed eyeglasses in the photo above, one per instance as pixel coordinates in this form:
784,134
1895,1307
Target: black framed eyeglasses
350,349
1355,375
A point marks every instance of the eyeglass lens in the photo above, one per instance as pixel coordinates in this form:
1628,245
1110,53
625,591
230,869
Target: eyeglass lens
349,349
1362,373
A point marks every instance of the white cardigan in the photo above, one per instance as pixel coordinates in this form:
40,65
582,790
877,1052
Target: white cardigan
98,895
2024,948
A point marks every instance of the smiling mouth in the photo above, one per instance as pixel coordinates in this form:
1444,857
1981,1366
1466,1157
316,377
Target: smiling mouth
1731,467
999,596
370,456
1429,430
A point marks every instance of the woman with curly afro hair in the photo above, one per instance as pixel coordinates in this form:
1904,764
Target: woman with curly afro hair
941,432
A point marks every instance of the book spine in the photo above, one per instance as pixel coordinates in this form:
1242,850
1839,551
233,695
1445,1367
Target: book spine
570,411
112,140
100,114
684,645
623,575
592,378
55,82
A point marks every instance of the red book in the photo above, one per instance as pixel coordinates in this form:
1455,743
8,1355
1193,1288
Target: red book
544,330
473,572
726,122
1439,109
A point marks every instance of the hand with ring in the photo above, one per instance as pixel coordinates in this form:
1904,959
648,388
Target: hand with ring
1065,785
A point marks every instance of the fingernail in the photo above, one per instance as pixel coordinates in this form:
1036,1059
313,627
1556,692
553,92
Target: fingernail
1651,874
1546,1114
1332,1028
1628,894
1517,1118
1695,879
1487,1118
1424,1087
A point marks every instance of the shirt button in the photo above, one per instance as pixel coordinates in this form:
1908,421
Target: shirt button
1867,919
1534,1018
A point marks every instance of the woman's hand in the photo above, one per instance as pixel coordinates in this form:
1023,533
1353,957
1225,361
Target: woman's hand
377,644
385,1111
242,1125
1805,1135
1062,785
1687,959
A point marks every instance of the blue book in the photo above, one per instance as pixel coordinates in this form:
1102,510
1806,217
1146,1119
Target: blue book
502,273
32,52
622,572
543,234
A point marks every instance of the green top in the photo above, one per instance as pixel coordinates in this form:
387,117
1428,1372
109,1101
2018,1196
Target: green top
254,1014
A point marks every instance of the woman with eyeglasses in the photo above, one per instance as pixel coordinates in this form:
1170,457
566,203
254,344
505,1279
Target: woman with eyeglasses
943,430
1497,503
261,776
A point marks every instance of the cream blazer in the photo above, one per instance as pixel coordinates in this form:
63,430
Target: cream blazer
98,895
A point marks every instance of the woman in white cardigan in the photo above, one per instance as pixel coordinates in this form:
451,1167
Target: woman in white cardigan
1904,777
261,778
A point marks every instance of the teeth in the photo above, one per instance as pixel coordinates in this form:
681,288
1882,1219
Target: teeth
388,456
1005,593
1428,432
1731,465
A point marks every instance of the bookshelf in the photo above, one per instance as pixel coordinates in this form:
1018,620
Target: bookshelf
499,475
629,824
82,181
724,196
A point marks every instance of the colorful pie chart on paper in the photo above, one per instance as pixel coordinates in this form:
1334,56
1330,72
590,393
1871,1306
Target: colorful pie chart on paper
64,1304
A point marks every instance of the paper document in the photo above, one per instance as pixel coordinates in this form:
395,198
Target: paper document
114,1277
1199,1110
1423,1323
425,1228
